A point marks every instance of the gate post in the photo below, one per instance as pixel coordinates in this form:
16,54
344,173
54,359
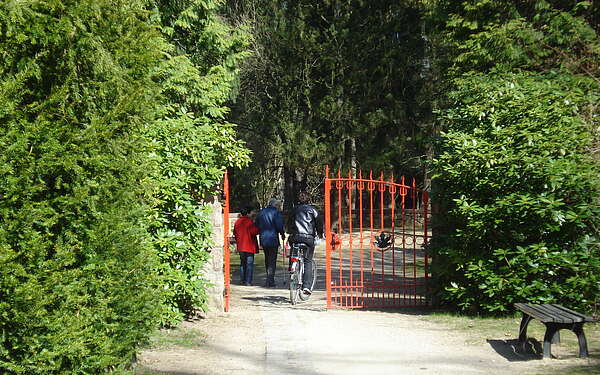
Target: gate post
328,238
226,270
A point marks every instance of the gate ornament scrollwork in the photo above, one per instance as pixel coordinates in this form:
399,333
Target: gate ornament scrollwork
383,241
403,190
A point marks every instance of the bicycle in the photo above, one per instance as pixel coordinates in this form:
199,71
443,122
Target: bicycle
297,272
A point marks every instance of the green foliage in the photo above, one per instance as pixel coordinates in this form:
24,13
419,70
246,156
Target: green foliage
330,82
77,287
480,35
193,144
520,191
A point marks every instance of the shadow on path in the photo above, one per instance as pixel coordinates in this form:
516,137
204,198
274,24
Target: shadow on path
511,350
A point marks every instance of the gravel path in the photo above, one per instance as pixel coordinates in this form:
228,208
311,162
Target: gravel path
264,334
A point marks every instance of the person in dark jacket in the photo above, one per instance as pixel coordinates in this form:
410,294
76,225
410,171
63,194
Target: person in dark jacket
245,232
270,222
305,225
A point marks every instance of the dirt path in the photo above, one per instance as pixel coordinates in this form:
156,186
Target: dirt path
264,334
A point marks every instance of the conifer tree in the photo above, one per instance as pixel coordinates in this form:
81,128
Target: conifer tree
77,287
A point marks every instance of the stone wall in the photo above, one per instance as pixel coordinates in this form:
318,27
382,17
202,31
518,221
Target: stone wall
213,269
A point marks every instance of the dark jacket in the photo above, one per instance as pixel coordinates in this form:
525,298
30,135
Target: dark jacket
305,223
270,223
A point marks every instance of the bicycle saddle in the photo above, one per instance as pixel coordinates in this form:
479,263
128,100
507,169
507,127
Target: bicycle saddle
300,245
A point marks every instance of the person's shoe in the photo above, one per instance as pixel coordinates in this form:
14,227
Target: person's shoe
248,284
307,291
271,285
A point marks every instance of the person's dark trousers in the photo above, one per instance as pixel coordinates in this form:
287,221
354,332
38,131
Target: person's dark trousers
270,263
308,264
309,241
246,267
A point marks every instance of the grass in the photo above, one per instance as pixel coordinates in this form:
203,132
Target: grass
177,338
259,266
486,330
165,339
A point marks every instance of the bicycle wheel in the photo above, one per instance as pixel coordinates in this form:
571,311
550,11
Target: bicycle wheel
303,296
294,284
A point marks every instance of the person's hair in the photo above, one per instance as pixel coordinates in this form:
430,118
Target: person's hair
274,202
246,210
303,197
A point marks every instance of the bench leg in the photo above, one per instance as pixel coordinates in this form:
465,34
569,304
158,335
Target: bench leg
551,330
583,349
523,330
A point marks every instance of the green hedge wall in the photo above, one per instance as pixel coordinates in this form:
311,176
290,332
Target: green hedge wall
77,291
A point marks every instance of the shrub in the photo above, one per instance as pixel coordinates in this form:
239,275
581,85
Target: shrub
193,144
77,291
519,191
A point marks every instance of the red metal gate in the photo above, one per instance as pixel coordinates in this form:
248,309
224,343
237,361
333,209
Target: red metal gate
361,271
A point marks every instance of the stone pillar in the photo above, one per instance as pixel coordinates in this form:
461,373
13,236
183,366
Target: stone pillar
212,272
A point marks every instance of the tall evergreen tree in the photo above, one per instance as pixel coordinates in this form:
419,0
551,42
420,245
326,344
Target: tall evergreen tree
333,82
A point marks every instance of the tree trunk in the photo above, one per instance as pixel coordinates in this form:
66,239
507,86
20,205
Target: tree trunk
288,189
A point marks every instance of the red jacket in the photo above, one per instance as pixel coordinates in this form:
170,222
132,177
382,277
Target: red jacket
245,233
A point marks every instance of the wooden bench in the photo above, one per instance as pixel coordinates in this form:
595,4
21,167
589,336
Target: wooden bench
555,317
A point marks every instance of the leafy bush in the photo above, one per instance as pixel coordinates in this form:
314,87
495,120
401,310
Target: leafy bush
77,287
520,193
181,226
193,144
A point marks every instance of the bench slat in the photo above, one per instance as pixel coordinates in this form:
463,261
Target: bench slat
561,316
582,317
548,316
534,311
553,313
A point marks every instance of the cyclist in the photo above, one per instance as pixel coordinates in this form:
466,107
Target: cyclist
304,225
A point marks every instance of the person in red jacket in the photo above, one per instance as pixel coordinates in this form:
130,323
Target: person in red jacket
245,232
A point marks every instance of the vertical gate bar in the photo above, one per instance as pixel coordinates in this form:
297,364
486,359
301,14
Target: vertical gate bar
361,186
414,209
328,237
371,187
226,264
381,190
426,241
339,185
381,212
393,198
345,284
403,193
350,186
